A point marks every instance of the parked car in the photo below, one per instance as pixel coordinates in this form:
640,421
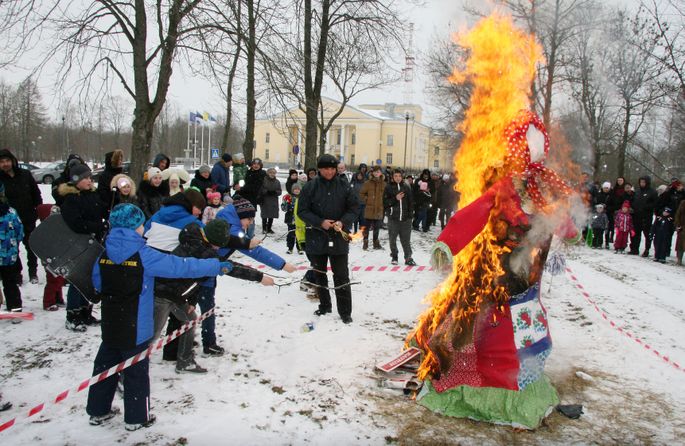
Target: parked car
98,172
47,174
27,166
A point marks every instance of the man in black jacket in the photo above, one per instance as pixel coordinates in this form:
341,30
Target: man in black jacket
328,205
399,206
644,203
24,196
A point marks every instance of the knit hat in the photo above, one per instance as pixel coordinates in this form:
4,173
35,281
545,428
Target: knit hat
126,215
599,206
326,160
153,171
676,183
213,195
227,199
626,204
667,209
204,168
606,185
217,232
302,177
195,198
296,185
226,158
78,173
243,208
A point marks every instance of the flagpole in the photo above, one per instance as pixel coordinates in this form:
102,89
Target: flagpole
209,143
202,146
188,139
195,144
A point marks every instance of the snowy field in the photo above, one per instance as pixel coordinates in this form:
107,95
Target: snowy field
278,385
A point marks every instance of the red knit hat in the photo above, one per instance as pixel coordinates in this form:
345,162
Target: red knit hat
626,204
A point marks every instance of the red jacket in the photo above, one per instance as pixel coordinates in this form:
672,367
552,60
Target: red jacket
623,222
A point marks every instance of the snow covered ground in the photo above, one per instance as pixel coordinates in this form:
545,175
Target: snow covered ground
279,385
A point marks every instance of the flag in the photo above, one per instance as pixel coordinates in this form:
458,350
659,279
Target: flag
212,119
192,117
198,116
205,116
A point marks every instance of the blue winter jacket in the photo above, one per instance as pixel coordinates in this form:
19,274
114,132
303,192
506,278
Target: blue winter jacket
162,230
219,177
11,235
260,254
123,243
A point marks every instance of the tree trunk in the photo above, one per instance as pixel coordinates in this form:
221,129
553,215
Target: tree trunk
141,141
229,98
623,145
248,143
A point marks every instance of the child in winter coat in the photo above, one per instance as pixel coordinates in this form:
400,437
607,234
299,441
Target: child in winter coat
623,226
52,293
288,206
662,234
214,205
124,189
124,276
11,235
599,224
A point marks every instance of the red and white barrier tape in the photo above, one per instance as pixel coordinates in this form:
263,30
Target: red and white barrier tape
107,373
602,313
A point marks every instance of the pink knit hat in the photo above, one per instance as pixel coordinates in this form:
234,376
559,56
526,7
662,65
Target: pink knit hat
213,195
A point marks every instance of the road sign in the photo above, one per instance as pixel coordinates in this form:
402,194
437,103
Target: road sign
296,149
379,162
215,154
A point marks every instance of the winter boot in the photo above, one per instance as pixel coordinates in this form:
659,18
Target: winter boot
74,321
213,350
377,244
365,245
134,427
100,419
191,367
87,316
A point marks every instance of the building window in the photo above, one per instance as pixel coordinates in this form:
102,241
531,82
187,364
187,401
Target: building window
339,137
266,154
436,163
388,159
352,158
354,139
436,151
268,137
390,140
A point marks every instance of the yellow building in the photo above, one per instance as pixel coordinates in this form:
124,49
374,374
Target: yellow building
390,133
441,150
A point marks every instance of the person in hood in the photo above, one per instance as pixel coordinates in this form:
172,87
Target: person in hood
623,224
161,161
662,234
84,213
672,196
311,174
152,192
604,197
221,174
23,195
644,204
292,179
268,199
422,198
114,162
124,276
124,189
397,200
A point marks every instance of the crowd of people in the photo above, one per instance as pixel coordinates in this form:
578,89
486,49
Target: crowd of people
168,237
623,216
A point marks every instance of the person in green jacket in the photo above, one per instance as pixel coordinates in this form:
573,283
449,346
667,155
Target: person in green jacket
307,284
239,170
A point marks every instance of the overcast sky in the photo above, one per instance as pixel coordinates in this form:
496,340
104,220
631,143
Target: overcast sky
431,18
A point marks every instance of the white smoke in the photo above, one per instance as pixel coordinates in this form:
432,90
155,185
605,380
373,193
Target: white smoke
543,226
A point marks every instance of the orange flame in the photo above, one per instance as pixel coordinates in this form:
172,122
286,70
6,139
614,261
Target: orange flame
501,67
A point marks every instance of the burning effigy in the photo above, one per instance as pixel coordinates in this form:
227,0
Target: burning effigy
485,337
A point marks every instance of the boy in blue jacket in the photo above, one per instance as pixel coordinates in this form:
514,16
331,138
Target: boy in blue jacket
11,235
124,277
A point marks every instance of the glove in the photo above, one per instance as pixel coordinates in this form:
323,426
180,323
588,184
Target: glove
632,233
226,267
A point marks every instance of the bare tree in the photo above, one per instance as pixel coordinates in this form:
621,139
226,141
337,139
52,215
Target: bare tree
319,46
134,43
634,77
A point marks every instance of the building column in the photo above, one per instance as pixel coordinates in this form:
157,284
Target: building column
342,142
298,157
327,146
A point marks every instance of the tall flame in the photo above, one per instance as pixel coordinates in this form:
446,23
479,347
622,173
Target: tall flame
501,67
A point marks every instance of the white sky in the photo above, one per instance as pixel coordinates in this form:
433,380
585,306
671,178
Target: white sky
188,93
